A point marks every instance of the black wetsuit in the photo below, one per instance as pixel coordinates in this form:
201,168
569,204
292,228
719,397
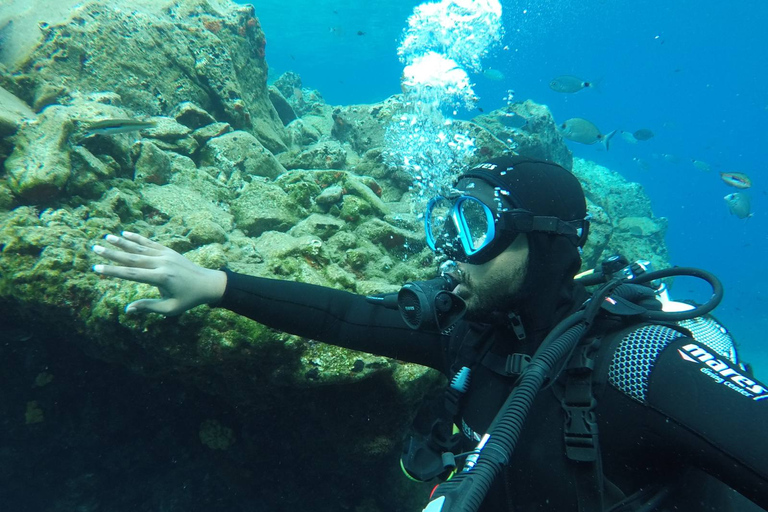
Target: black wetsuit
671,411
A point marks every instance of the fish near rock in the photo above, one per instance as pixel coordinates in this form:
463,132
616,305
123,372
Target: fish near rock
117,126
584,132
739,205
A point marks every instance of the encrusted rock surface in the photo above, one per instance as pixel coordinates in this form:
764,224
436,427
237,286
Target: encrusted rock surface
622,218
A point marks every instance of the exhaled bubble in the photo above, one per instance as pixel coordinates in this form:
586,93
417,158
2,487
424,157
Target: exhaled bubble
442,42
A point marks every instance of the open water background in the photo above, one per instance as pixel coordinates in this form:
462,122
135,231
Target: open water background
692,71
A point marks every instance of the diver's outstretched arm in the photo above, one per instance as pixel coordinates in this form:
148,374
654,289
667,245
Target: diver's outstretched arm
182,284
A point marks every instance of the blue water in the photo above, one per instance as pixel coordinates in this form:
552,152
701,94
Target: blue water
694,72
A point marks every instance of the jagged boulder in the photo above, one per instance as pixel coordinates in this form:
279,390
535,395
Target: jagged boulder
528,129
39,166
622,218
212,55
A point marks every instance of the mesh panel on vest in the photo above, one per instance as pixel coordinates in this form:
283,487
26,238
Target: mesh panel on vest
710,333
634,359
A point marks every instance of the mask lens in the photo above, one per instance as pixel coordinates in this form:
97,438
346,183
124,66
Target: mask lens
477,223
437,215
442,234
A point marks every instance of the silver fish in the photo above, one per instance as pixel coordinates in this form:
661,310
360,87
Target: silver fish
585,132
642,164
493,74
643,134
700,165
512,120
568,84
673,159
628,137
739,205
118,125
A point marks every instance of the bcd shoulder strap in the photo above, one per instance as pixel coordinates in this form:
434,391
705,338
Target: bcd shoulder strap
580,428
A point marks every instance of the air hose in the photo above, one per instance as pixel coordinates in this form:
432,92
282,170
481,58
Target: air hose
701,310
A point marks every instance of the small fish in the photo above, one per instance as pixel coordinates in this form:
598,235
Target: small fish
360,33
643,134
642,164
569,84
628,137
493,74
736,179
738,205
117,125
513,120
585,132
702,166
673,159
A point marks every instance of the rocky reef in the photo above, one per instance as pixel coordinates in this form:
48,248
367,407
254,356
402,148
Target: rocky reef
264,179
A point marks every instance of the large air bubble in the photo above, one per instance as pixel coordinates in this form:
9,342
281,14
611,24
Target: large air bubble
443,42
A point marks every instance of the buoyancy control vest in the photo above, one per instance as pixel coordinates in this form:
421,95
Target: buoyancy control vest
431,453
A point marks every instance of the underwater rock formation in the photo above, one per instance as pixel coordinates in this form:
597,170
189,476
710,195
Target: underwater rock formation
622,218
212,55
271,182
530,127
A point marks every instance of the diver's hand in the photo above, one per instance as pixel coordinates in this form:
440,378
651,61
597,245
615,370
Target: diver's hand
182,284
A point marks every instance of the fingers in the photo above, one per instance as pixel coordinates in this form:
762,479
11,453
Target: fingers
135,244
167,307
143,241
125,258
137,251
140,275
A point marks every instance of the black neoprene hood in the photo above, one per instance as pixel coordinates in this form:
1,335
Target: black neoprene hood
540,186
545,189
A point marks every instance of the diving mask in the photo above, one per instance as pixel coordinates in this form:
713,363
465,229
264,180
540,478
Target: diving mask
466,229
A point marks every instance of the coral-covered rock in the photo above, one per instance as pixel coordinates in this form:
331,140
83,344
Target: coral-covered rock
624,223
12,112
529,129
212,55
241,152
264,207
39,166
323,155
153,165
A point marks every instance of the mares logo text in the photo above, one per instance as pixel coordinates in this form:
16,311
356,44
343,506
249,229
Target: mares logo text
722,372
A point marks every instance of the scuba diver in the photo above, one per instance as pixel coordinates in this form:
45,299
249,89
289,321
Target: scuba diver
559,398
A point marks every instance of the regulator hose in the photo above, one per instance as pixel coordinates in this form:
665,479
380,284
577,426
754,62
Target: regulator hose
701,310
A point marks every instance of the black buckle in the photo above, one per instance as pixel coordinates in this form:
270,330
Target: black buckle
582,360
580,432
516,363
